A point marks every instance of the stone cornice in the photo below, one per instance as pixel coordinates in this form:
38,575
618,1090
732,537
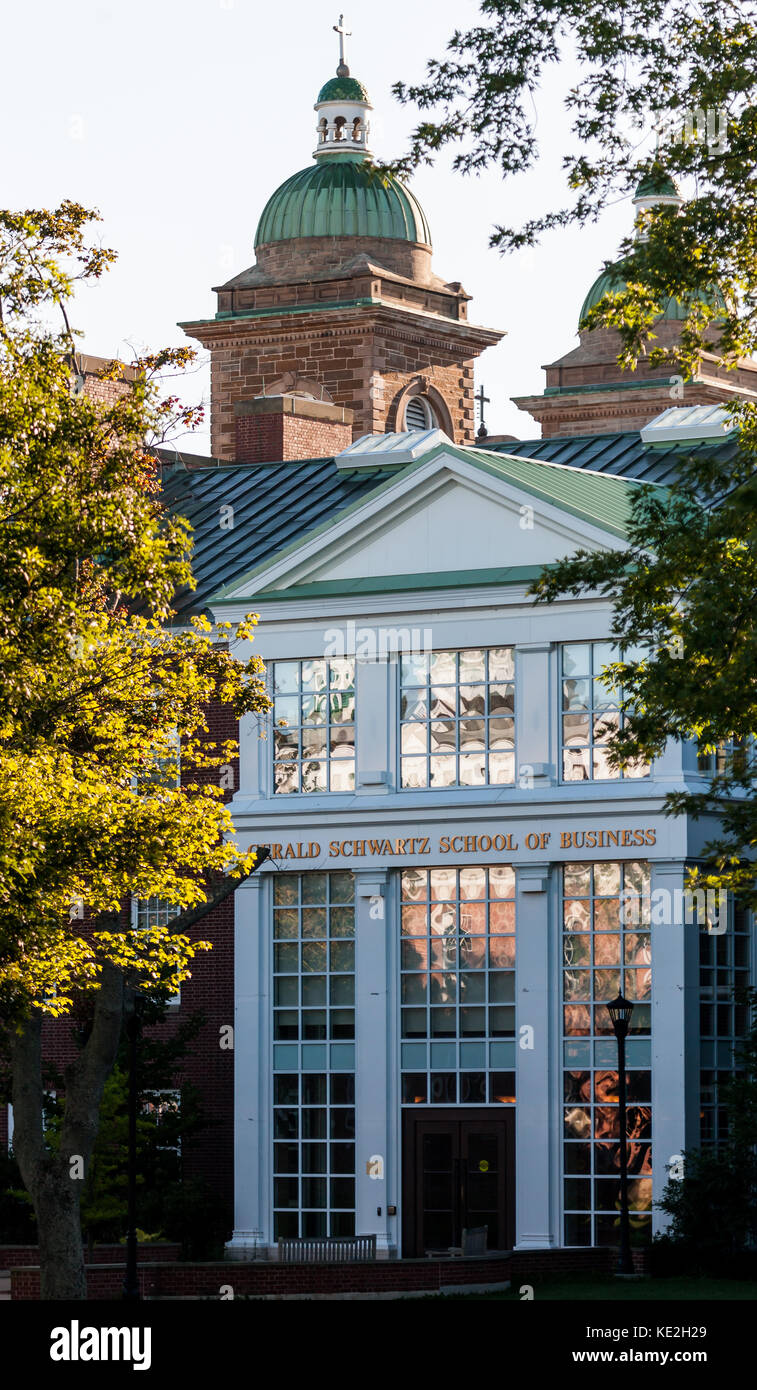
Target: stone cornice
239,330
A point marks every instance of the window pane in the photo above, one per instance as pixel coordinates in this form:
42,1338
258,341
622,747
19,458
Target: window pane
316,700
446,739
591,716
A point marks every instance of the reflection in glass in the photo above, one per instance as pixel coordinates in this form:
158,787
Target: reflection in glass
445,736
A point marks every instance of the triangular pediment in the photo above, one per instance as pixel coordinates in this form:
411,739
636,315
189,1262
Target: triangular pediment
448,514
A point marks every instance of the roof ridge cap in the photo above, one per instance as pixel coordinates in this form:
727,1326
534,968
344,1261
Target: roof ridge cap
567,467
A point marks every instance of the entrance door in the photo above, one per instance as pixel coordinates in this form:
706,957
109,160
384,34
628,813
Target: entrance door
458,1173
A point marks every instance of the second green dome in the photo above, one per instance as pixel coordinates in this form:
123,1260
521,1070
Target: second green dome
611,282
338,196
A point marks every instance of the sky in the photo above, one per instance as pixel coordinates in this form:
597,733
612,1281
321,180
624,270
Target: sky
177,119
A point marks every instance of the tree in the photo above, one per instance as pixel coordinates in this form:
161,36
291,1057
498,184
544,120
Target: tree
97,683
683,596
684,591
171,1116
671,82
713,1206
172,1206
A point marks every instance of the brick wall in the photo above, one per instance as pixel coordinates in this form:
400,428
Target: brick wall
364,364
283,261
361,320
627,400
210,990
261,1278
267,1278
108,392
276,428
613,409
24,1256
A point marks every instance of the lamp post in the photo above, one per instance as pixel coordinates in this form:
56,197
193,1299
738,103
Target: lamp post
620,1011
131,1280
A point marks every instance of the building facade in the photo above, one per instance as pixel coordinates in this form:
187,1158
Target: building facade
458,881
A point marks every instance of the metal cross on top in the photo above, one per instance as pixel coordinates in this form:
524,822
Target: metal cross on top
482,401
344,34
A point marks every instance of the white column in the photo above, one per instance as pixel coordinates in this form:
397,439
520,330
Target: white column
675,1031
538,1108
252,1070
373,1161
534,704
372,679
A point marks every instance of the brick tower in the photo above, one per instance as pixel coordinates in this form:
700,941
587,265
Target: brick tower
588,393
340,328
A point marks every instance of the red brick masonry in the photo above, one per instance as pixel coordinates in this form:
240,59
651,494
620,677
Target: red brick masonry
259,1279
15,1256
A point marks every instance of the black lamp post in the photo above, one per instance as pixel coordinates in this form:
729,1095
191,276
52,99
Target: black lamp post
131,1280
620,1011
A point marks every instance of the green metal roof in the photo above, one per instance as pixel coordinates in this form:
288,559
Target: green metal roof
343,89
598,498
340,196
274,504
277,505
601,501
622,454
404,583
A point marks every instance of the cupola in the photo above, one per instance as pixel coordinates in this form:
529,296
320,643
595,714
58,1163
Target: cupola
342,109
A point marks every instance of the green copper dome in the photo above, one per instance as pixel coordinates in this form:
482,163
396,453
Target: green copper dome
338,196
343,89
656,183
611,282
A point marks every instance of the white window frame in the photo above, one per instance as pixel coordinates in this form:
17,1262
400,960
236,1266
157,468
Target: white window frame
174,1000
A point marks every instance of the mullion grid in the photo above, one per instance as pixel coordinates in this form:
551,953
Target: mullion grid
314,1154
153,912
492,672
590,713
601,955
302,691
727,755
452,917
724,969
314,1114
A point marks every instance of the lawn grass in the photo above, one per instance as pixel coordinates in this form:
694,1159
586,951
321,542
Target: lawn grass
589,1287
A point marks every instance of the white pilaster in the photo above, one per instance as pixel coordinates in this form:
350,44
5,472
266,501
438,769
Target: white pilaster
252,1071
535,700
538,1108
373,1140
372,690
675,1033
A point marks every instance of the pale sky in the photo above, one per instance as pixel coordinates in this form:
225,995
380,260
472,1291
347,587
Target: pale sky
177,119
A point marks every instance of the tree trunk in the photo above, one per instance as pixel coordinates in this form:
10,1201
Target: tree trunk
61,1257
54,1181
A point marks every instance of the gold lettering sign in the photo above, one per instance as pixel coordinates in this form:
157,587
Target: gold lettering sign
499,843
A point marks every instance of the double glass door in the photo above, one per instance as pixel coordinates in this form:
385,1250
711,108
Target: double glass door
457,1175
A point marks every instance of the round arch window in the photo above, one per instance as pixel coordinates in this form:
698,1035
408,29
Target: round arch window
419,414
